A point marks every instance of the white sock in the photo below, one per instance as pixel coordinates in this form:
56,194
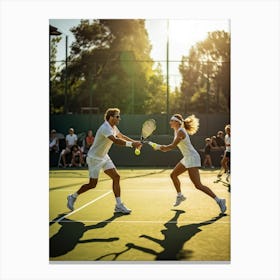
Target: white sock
118,200
217,199
179,194
75,195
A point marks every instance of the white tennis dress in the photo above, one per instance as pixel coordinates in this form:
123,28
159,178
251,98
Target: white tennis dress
191,157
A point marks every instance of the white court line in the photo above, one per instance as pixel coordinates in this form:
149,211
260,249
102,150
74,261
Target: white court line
135,190
85,205
148,222
189,189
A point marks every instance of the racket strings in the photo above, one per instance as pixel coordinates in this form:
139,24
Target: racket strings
148,128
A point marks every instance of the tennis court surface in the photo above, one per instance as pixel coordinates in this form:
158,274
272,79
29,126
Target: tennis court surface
154,231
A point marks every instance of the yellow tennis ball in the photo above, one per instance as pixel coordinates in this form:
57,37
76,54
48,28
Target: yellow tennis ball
137,152
154,145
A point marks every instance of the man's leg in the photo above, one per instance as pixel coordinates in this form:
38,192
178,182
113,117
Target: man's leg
114,175
72,197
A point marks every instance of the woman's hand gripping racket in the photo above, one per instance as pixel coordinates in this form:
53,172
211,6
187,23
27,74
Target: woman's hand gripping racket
148,127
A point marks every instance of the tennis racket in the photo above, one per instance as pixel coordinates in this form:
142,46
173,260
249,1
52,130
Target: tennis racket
148,127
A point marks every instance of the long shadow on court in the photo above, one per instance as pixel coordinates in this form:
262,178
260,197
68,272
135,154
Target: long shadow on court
174,238
224,183
70,233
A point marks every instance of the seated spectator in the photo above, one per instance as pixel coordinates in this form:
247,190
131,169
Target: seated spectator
77,156
54,142
207,153
71,140
220,140
214,144
88,142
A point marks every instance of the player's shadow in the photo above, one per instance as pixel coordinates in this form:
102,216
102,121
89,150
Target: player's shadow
224,183
174,238
71,232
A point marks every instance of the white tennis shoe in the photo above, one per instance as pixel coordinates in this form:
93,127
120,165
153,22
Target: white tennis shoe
121,208
70,202
222,204
179,199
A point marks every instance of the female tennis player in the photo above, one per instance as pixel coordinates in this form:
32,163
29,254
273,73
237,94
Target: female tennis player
191,159
98,158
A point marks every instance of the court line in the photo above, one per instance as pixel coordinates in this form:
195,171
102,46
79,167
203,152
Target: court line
146,222
85,205
128,190
144,190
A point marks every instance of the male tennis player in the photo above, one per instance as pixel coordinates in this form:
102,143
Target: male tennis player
97,158
191,159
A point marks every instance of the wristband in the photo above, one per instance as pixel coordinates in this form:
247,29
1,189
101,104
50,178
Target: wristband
128,144
154,145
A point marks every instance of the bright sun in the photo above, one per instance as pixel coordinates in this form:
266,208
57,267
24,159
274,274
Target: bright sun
182,34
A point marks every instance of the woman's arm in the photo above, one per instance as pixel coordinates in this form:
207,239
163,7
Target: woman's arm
173,145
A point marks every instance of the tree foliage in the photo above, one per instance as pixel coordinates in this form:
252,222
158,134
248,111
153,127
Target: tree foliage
110,65
206,74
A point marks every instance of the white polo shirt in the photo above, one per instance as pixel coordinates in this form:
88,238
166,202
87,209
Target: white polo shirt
102,143
71,139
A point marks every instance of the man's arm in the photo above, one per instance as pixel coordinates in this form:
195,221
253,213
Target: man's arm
122,142
124,137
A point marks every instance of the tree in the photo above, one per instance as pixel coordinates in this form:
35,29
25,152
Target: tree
155,102
206,74
97,76
56,93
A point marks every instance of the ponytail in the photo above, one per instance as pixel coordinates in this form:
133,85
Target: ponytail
191,124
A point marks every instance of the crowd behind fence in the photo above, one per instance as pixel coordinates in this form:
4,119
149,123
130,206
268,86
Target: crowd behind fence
131,125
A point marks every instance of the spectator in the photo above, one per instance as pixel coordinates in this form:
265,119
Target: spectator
207,153
71,140
220,140
214,144
88,142
77,156
226,158
54,142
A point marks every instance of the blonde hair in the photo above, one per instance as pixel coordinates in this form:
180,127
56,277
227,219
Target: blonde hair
111,113
191,123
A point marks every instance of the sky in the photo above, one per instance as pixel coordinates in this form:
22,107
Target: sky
182,34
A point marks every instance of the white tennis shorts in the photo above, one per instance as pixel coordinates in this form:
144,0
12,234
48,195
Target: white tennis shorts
95,165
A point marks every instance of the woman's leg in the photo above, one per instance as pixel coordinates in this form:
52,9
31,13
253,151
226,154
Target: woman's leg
178,170
195,178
